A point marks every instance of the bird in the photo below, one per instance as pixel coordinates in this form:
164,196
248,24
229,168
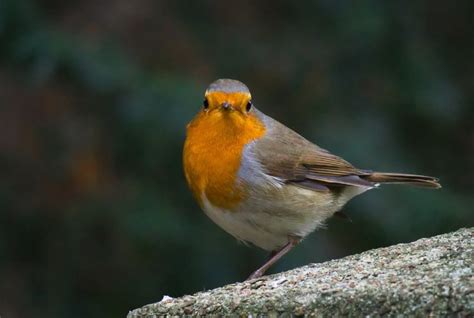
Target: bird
262,182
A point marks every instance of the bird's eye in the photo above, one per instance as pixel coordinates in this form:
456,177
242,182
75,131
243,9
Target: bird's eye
205,103
249,106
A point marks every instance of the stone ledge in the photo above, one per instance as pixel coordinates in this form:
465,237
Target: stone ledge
432,276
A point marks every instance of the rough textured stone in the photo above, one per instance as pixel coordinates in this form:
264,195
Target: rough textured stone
429,277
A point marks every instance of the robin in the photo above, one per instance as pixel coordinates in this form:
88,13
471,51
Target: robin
262,182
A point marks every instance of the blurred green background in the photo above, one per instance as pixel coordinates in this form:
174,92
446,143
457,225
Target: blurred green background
95,215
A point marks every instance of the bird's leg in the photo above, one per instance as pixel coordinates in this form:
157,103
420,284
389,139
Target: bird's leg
275,256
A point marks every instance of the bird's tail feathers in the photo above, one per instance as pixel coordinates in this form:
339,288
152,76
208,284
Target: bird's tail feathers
412,179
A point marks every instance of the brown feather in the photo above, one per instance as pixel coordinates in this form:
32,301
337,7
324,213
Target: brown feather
413,179
350,180
311,185
298,161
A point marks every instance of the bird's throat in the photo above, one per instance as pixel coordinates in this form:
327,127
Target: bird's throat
212,155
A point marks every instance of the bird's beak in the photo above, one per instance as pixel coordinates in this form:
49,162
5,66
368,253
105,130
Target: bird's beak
227,106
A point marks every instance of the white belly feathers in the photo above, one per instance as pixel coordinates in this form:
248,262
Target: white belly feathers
266,219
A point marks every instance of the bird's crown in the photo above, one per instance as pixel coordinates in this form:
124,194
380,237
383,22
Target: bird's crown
226,85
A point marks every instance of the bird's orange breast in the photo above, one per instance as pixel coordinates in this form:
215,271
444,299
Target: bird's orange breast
212,155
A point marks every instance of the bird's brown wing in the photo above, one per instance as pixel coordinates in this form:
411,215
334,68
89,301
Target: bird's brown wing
285,154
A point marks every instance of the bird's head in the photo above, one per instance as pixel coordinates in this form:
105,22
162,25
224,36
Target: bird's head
228,99
227,114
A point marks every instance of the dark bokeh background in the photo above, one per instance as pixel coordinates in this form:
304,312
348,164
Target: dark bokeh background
95,216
